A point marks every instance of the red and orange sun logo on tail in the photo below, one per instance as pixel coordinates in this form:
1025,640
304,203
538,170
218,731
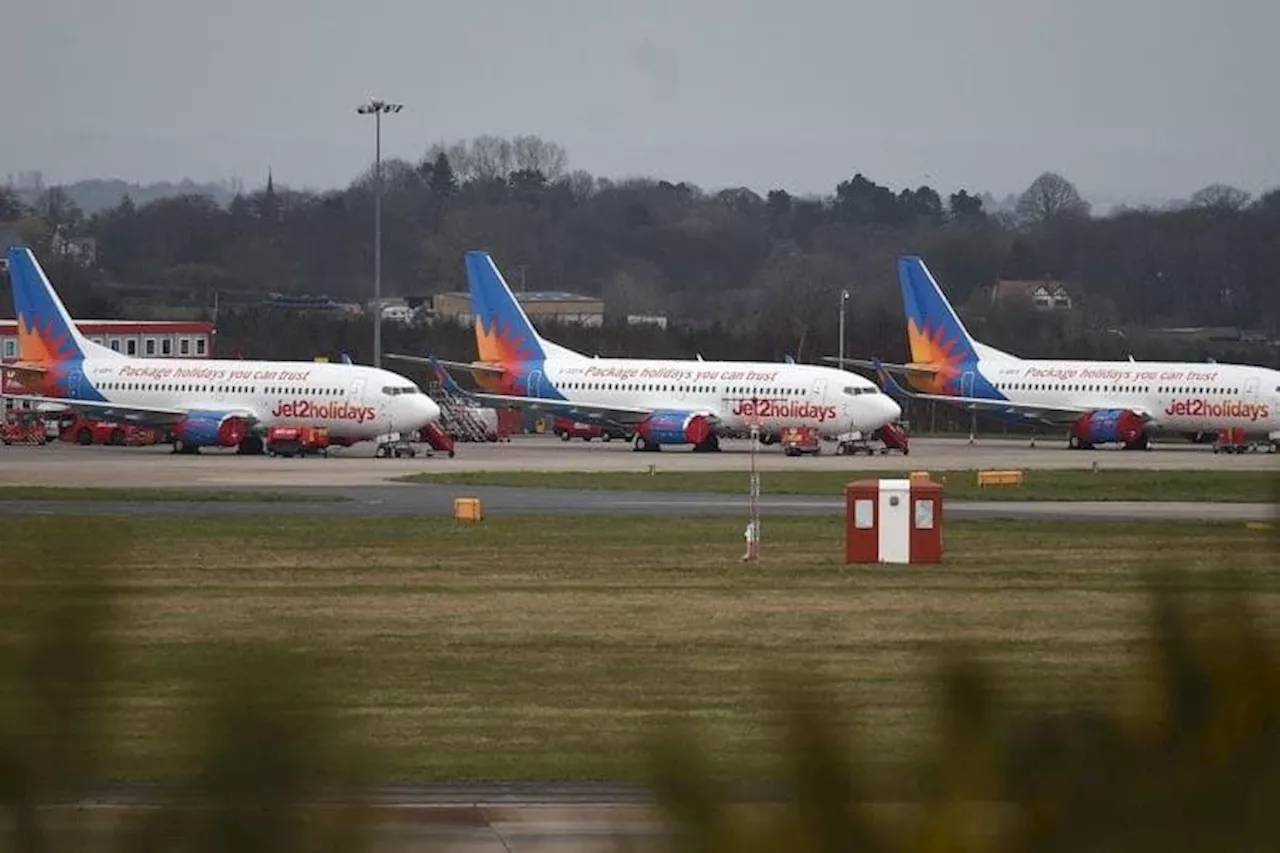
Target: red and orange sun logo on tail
932,348
503,345
45,348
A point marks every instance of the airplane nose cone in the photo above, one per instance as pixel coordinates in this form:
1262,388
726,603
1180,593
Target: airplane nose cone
892,411
429,410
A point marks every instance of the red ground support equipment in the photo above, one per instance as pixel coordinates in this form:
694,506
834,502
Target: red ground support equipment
75,427
437,439
510,422
297,441
798,440
1231,440
568,428
23,427
894,437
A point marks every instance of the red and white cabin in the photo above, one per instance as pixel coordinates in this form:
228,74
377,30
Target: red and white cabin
893,521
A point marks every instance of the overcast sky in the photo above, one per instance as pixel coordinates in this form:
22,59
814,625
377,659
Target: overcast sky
1127,98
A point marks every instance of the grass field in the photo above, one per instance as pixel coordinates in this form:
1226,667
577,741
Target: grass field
1131,485
536,647
89,493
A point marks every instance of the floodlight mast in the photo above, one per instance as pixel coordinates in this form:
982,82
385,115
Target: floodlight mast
377,107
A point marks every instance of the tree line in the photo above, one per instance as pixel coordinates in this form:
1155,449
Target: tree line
757,275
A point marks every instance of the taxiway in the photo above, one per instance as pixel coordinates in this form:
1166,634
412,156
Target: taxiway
61,464
367,488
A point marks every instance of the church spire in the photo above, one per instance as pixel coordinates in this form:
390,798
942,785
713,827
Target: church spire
268,208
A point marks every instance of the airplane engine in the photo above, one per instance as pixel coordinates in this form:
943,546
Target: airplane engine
1108,425
675,428
211,429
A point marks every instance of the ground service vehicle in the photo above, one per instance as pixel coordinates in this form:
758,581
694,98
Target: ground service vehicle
890,436
297,441
568,428
75,427
799,440
436,438
1231,440
23,427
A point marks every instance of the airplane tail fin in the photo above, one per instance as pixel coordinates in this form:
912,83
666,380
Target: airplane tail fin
46,333
503,332
935,332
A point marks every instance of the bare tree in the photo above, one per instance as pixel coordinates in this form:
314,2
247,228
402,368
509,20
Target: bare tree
1049,197
1220,197
581,184
634,289
534,154
492,157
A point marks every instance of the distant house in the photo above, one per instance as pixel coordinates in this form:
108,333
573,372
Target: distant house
647,320
1045,294
82,250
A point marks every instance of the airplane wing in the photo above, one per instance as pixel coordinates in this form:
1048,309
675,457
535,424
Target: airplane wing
1042,412
577,410
155,415
872,364
461,365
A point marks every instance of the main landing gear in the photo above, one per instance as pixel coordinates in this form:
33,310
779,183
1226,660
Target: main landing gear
1142,442
643,445
251,446
711,445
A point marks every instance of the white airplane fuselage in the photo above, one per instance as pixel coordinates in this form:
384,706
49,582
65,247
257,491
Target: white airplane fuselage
780,395
354,402
1179,397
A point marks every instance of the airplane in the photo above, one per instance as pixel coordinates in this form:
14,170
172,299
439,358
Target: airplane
204,402
663,401
1100,402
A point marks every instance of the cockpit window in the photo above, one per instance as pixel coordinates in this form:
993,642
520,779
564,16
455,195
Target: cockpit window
396,390
853,391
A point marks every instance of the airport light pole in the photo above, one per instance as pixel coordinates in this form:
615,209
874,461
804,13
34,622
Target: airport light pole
844,297
376,108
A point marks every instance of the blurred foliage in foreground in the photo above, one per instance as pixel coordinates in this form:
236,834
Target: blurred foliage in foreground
269,768
1187,760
